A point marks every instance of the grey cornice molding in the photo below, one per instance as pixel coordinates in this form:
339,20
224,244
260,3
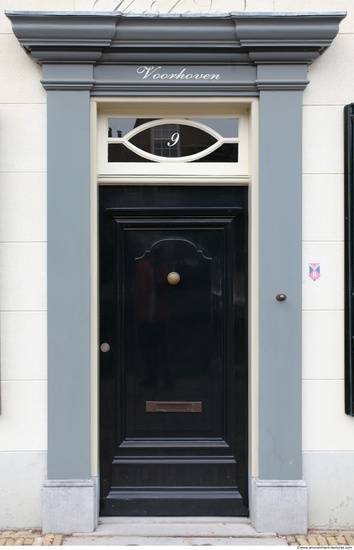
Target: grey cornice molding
64,37
289,38
111,38
264,37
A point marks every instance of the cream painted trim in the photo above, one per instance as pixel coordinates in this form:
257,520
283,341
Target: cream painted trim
163,107
173,180
253,312
94,297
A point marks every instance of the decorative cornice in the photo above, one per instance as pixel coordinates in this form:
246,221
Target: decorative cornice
64,37
235,40
289,38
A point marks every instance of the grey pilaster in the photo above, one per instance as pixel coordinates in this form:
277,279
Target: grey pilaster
69,505
280,235
68,281
279,496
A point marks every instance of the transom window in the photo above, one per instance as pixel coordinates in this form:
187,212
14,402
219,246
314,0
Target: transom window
176,140
206,145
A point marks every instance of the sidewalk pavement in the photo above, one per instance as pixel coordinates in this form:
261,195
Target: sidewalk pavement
29,537
176,532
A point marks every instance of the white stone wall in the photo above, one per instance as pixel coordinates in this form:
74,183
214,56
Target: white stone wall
328,435
22,282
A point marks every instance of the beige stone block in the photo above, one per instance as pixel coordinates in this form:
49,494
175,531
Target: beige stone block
23,138
23,276
22,477
319,6
330,81
256,5
30,5
23,207
323,345
22,82
23,345
326,427
330,477
161,6
23,416
327,292
323,207
323,139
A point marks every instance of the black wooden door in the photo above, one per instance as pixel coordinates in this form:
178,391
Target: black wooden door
173,377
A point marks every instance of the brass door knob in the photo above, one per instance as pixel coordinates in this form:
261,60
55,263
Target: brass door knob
173,278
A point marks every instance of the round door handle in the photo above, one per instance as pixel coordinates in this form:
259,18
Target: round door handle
281,297
173,278
105,347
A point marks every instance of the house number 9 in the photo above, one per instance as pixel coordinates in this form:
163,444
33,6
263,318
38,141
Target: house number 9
174,140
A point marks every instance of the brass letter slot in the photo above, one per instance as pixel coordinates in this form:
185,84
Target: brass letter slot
173,406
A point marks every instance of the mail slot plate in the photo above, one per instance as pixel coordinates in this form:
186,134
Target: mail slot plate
174,406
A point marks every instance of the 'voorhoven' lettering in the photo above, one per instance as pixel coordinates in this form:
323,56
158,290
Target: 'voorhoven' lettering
155,73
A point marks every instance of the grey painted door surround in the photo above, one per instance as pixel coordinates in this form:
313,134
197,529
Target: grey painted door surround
107,54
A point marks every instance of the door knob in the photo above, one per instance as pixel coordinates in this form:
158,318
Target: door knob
173,278
105,347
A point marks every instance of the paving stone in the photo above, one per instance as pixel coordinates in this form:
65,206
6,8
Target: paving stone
302,540
350,538
10,542
332,541
322,541
341,540
312,540
57,541
25,534
2,541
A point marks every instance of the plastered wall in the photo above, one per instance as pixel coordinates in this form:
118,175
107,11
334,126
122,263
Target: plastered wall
328,434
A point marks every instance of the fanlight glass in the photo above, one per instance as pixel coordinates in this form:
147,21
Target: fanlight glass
172,140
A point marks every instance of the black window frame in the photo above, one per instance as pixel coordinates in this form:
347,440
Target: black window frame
349,256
